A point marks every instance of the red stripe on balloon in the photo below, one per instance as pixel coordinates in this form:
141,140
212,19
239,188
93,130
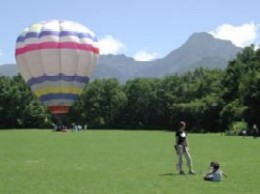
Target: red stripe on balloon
59,109
56,45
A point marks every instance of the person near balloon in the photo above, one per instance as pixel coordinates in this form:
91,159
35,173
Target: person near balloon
54,127
74,127
182,149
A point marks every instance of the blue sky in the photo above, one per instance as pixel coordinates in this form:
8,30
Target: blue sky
142,29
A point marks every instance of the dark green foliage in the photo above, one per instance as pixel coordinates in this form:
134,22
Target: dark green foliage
19,108
209,100
100,105
242,84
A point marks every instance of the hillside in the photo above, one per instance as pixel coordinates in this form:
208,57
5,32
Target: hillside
8,70
200,50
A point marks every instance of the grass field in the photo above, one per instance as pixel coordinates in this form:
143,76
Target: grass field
120,162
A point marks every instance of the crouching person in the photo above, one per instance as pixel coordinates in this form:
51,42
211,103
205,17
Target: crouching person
215,174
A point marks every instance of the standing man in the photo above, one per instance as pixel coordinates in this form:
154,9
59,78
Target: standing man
182,149
255,131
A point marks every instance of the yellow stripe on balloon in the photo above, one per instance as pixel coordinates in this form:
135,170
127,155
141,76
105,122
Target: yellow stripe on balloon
53,90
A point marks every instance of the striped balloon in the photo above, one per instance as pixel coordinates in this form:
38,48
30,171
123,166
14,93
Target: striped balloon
56,59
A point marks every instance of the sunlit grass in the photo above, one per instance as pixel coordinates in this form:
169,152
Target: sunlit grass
119,162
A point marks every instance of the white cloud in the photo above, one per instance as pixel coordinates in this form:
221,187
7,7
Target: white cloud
145,56
241,36
110,45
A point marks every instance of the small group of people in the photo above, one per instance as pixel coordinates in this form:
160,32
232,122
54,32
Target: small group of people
59,127
182,150
253,132
63,128
76,127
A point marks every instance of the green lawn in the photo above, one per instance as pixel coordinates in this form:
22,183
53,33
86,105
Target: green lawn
119,162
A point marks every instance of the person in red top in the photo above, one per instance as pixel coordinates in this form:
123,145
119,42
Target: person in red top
182,149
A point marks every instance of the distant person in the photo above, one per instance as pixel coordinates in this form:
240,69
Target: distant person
244,133
79,127
182,149
255,131
54,127
215,174
74,127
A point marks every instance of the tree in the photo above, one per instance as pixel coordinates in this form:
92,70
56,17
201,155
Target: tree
18,106
241,87
100,105
141,104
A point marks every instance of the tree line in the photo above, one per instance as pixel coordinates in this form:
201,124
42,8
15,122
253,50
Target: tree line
210,100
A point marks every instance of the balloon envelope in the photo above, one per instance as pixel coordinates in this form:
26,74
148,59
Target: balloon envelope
56,59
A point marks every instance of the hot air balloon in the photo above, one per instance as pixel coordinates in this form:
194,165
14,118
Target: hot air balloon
56,59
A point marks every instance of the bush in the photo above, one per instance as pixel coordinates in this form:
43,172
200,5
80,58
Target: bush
236,127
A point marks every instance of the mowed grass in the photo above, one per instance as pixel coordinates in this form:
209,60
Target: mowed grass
120,162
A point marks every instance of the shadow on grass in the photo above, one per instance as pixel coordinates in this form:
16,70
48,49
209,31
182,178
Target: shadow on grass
175,174
170,174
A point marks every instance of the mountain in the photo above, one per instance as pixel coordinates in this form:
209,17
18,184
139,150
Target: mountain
200,50
8,70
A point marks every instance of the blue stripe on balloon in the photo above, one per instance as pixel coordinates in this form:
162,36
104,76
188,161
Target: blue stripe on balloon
31,35
20,38
59,77
28,35
59,97
78,34
48,33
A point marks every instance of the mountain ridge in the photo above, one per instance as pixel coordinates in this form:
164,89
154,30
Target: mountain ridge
200,50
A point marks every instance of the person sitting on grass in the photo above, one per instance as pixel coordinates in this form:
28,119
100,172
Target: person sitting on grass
215,173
